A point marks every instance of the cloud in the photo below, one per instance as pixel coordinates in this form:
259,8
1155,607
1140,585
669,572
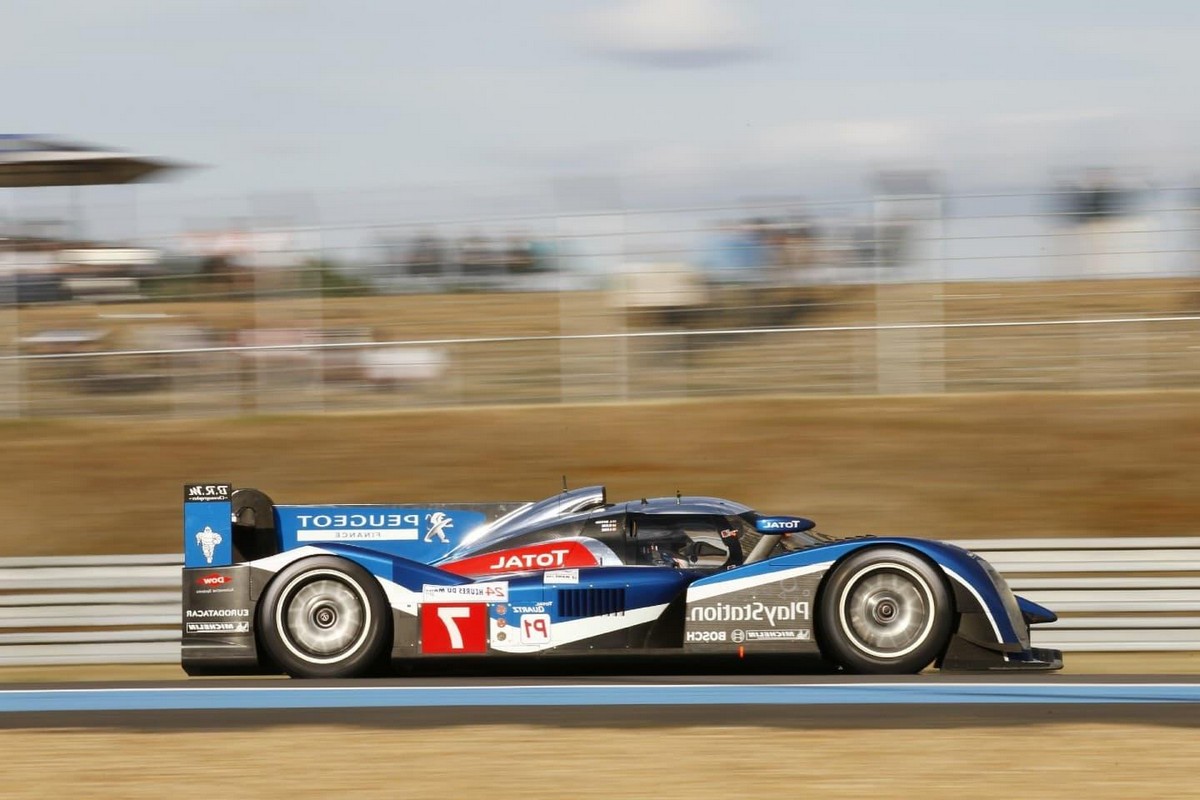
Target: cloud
673,33
861,140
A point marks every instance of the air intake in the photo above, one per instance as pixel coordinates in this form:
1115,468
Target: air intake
573,603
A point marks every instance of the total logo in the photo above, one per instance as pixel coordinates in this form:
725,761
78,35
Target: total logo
782,524
751,612
546,559
547,556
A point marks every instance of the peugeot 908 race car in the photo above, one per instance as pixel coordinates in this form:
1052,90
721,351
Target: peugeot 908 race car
342,590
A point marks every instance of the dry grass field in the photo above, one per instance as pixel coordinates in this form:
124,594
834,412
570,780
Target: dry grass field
947,466
1069,761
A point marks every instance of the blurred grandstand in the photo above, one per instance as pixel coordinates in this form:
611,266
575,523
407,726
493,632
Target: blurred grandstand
1088,284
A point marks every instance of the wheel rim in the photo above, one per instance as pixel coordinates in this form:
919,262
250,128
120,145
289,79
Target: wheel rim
887,610
323,617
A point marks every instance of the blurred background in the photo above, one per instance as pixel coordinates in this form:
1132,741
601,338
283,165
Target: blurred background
214,210
905,268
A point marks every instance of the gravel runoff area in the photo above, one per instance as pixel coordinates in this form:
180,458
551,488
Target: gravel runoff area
1096,761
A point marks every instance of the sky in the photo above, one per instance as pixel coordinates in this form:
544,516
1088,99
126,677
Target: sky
594,102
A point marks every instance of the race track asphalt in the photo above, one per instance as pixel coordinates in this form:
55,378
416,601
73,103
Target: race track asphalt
612,700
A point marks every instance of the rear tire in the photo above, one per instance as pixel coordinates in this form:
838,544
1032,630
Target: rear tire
324,617
885,611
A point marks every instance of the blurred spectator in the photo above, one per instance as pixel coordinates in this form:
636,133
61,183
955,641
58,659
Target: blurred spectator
737,255
426,256
518,256
1096,195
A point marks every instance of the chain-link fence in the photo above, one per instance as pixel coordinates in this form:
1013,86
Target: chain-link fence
898,293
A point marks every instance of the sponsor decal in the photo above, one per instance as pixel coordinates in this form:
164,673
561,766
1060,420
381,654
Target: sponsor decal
491,592
438,522
209,613
561,576
450,628
535,629
207,492
756,611
549,555
213,583
705,636
218,627
515,561
208,540
540,607
729,533
779,635
738,636
380,526
781,524
607,525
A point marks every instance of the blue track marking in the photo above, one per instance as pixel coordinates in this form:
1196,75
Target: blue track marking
299,696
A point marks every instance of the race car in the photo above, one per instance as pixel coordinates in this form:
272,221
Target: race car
335,591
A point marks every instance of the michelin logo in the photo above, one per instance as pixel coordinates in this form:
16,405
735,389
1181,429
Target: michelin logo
438,521
208,539
802,635
218,627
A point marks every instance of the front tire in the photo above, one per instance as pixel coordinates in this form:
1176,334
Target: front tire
324,617
885,611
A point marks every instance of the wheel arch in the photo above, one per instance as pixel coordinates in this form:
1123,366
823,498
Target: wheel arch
953,589
264,611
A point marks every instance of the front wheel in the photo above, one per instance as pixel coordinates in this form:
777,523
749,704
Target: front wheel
324,617
885,611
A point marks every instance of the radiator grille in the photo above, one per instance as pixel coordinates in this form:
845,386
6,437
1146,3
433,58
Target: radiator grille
590,602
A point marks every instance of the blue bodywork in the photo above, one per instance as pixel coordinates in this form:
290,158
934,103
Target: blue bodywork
630,603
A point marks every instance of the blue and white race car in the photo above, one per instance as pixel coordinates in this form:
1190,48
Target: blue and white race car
322,591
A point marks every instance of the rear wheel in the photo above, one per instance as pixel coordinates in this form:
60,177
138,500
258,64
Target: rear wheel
324,617
885,610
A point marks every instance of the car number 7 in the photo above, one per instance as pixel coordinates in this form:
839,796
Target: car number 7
449,615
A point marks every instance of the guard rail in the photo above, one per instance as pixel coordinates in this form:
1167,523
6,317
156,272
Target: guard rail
1112,594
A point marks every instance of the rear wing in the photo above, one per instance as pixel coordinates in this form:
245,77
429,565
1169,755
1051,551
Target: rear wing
207,525
223,526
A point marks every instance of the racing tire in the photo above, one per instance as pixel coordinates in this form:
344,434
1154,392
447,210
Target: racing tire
885,611
324,617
